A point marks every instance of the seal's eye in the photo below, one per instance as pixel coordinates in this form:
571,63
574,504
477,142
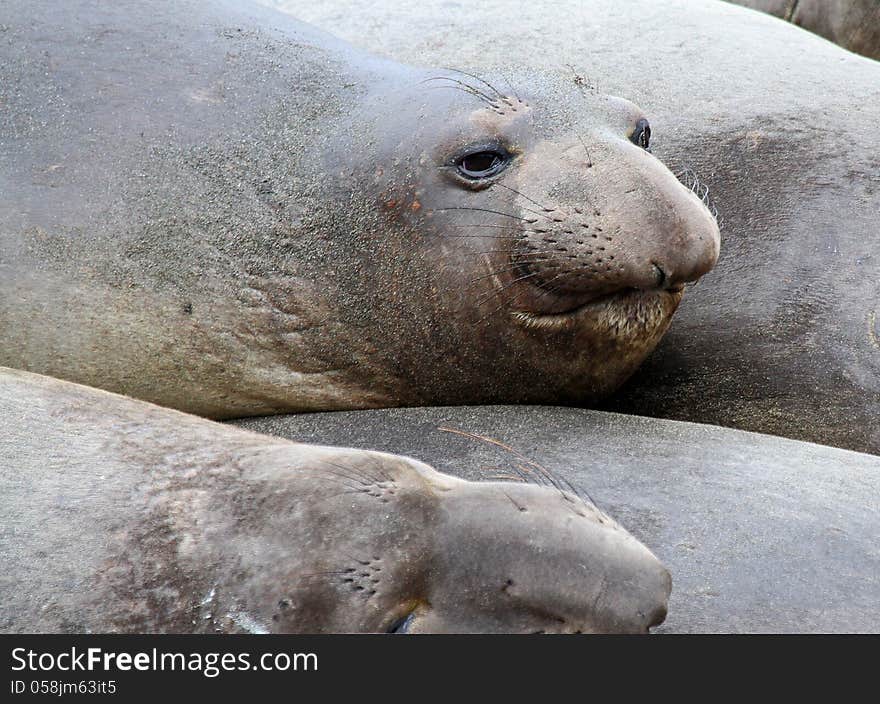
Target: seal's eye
641,135
482,164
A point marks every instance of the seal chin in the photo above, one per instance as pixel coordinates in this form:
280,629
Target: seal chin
645,309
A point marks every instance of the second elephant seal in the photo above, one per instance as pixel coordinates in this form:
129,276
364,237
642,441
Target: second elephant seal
854,24
120,516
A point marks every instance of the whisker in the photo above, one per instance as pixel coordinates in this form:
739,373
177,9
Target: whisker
506,302
529,210
358,474
501,290
495,251
692,181
495,272
490,105
377,465
524,256
497,443
516,505
544,290
514,266
361,473
589,156
465,87
487,210
559,483
481,80
343,493
358,560
522,476
483,237
357,486
497,227
531,200
512,89
324,574
547,475
504,227
583,495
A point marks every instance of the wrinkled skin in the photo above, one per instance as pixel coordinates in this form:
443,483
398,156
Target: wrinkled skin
854,24
783,336
120,516
239,215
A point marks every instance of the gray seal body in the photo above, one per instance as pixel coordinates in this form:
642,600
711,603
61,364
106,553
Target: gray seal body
121,516
854,24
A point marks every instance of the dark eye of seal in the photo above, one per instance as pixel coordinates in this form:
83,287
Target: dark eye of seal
641,135
482,164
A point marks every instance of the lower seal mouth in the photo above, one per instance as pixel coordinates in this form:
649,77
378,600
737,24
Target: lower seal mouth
612,304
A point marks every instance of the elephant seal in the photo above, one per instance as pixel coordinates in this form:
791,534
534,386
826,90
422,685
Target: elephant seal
120,516
854,24
761,534
783,336
212,207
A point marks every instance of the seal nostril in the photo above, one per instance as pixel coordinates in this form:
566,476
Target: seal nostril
660,274
658,617
402,625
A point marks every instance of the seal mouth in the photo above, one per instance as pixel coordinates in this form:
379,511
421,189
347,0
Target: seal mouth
614,303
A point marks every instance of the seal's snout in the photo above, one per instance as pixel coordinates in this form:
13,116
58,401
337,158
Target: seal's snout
692,244
683,264
657,601
625,223
539,561
658,617
660,234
